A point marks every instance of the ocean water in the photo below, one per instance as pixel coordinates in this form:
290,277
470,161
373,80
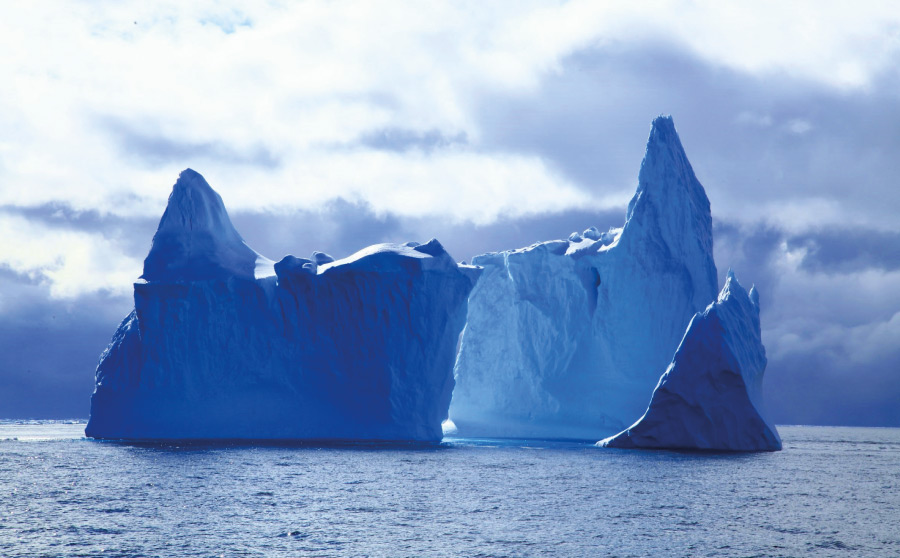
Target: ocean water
831,492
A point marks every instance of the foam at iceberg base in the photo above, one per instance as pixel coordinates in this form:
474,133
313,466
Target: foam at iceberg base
710,396
224,344
565,339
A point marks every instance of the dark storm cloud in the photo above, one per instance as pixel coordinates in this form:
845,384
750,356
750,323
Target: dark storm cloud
49,349
155,149
750,137
133,234
61,215
819,382
828,251
10,277
750,252
848,250
823,388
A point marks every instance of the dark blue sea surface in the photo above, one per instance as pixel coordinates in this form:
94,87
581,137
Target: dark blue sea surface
831,492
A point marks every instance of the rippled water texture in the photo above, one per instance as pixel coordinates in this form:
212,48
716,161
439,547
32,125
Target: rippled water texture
831,492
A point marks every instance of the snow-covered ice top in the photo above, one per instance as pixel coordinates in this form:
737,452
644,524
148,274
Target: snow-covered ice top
393,257
710,396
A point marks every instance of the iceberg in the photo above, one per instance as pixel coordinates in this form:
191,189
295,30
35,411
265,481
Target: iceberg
226,344
566,338
710,396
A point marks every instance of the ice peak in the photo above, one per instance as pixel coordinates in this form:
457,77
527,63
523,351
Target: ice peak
710,396
670,208
666,171
734,290
734,298
189,177
663,130
195,205
754,296
732,286
195,239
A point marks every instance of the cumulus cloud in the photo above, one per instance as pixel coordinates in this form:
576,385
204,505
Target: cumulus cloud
590,122
71,262
846,250
830,316
124,95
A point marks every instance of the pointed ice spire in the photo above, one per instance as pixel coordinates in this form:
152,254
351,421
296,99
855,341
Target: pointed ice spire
735,293
731,283
666,171
754,296
710,396
195,239
736,306
670,211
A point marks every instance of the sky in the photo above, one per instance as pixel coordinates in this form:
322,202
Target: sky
489,125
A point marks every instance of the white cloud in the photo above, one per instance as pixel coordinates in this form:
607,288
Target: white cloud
753,119
294,78
302,82
72,263
799,126
295,82
830,42
848,346
459,183
851,316
796,214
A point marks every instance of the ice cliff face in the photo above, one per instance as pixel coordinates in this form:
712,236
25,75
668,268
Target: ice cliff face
222,344
565,339
710,396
